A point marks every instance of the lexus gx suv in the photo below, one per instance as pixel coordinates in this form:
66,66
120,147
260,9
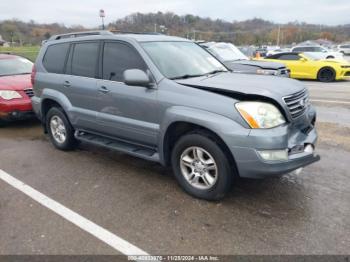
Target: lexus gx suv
165,99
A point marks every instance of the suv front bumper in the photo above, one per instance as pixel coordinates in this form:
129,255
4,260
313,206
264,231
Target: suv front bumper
288,137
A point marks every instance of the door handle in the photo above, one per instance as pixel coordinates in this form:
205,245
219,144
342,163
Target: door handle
66,84
104,90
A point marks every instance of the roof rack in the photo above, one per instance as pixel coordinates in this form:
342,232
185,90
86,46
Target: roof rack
79,34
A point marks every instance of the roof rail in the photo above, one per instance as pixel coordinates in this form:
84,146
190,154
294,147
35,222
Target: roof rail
79,34
114,31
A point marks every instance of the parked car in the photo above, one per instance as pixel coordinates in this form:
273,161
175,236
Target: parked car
238,62
344,49
277,51
313,66
166,99
319,50
15,88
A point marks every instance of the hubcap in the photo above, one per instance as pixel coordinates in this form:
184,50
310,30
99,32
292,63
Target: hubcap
198,168
58,129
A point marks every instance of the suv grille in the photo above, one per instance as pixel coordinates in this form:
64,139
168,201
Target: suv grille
29,92
297,103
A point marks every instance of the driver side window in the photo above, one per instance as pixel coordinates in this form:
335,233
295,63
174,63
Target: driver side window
118,57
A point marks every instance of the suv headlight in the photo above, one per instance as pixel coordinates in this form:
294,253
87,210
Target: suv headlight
260,114
266,72
8,94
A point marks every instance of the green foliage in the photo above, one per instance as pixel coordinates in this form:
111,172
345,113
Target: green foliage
29,52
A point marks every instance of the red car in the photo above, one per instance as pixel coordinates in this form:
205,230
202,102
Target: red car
15,88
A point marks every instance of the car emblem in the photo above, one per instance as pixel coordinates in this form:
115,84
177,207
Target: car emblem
302,102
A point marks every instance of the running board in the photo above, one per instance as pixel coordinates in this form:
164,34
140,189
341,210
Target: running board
118,145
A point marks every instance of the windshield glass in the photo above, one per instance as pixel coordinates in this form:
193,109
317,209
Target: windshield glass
15,66
182,59
227,52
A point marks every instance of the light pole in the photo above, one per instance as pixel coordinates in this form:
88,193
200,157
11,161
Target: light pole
102,15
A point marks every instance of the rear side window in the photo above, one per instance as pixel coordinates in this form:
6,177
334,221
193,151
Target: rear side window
301,49
117,58
84,59
55,58
289,57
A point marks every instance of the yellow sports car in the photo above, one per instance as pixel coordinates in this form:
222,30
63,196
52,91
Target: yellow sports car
312,66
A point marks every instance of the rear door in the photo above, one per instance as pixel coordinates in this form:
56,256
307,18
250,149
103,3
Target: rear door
127,112
80,83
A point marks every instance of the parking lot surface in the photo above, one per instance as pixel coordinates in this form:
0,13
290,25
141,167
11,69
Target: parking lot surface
140,201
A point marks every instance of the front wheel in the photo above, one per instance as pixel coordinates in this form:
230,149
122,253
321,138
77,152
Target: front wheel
201,167
60,131
326,74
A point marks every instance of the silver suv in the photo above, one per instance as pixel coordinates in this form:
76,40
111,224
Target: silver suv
166,99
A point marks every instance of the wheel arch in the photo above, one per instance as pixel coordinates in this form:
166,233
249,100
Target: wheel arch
180,128
51,98
329,68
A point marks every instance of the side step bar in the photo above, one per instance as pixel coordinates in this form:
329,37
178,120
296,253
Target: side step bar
118,145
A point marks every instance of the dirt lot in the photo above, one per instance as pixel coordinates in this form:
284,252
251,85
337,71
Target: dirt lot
141,203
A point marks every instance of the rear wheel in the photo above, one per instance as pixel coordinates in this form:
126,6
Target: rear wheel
60,131
201,167
2,123
326,74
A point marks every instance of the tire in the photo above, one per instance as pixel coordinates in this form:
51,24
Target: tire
326,75
330,57
2,123
220,173
63,137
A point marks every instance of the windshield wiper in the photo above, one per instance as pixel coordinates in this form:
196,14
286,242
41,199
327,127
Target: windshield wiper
215,72
185,76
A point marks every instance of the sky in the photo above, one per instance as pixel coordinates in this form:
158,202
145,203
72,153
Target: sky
70,12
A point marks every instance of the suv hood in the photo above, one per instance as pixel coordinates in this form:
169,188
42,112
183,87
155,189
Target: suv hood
15,82
260,64
246,85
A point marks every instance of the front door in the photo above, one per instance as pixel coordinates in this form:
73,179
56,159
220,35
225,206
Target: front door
126,112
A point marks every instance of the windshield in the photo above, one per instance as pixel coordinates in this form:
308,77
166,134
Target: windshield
182,59
227,52
15,66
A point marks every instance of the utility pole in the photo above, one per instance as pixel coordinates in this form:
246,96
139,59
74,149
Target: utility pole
155,28
278,35
102,15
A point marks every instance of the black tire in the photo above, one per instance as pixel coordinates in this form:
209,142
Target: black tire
330,57
326,75
224,171
2,123
69,142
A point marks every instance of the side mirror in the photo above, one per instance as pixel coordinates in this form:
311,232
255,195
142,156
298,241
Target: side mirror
303,59
136,77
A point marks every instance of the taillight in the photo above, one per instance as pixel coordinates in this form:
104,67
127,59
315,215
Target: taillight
32,76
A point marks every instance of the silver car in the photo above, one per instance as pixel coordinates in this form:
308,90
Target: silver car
165,99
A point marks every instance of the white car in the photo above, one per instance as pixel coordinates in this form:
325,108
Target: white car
323,52
344,49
